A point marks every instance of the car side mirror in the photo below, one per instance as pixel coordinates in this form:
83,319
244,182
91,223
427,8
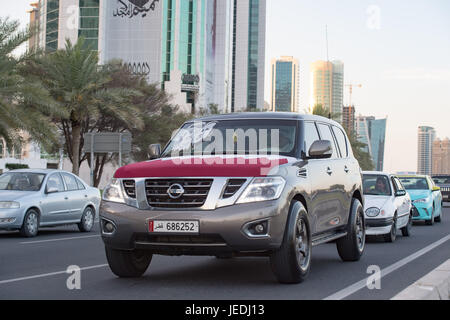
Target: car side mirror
51,190
320,149
154,151
400,193
436,189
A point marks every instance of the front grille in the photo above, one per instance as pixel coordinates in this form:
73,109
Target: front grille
195,193
232,187
130,188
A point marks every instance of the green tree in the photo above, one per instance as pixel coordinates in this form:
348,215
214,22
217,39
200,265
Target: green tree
21,99
320,110
80,88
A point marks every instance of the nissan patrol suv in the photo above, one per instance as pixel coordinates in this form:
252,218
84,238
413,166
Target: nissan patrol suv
249,184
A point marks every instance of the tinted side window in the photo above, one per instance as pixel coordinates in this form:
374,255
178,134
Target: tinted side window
342,141
311,135
325,134
70,181
55,181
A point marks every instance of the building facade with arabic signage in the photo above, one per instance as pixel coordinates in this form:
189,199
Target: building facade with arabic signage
200,51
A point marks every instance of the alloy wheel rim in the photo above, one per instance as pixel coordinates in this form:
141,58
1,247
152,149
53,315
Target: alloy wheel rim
302,245
360,232
88,219
32,223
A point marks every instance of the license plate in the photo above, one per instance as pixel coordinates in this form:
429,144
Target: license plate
191,227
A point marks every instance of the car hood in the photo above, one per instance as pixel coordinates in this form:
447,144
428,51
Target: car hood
375,201
212,166
10,195
419,194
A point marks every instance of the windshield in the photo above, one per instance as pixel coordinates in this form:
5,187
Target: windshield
376,185
235,137
442,180
415,183
21,181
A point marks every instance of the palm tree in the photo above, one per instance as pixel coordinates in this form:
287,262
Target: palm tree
79,86
18,92
320,110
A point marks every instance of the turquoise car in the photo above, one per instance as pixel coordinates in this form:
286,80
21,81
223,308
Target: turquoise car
425,196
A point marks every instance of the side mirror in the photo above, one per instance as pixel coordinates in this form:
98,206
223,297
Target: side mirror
154,151
51,190
400,193
320,149
436,189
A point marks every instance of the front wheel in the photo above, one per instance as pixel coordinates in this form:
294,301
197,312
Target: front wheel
291,263
128,264
392,235
30,226
406,230
431,221
351,247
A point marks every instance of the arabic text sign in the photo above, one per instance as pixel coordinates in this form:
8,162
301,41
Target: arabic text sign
134,8
107,142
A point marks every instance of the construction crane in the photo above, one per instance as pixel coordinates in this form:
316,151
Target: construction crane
351,86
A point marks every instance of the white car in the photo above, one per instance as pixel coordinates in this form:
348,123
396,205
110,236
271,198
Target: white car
387,206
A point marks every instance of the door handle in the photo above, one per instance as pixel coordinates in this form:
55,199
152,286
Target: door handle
85,195
329,171
346,169
66,198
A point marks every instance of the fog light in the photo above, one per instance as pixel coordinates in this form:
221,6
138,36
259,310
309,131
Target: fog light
108,227
259,228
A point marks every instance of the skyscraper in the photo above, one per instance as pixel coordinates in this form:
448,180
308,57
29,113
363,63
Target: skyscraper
426,136
372,132
348,118
285,84
441,156
199,51
327,86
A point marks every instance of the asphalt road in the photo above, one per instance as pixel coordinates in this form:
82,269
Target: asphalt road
36,269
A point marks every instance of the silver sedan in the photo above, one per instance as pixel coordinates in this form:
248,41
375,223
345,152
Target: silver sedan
30,199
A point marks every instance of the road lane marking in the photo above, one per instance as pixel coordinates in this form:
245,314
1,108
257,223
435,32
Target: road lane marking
342,294
46,275
61,239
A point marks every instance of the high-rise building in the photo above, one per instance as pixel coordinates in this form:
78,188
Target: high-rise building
199,51
285,84
348,118
441,157
327,86
426,136
372,132
34,25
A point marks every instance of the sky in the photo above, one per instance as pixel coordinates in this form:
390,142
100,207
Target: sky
398,50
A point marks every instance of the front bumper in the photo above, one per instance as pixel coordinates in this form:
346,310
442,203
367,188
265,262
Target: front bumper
221,230
421,212
378,226
15,215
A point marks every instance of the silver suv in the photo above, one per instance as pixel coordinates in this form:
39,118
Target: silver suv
251,184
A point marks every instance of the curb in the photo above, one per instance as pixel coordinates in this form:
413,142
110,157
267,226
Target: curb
434,286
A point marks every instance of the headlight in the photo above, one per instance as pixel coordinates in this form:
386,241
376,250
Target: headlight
263,189
372,212
424,200
9,205
113,192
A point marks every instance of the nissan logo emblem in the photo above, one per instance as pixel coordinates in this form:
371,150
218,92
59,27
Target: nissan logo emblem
175,191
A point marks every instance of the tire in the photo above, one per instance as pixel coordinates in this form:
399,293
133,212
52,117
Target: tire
30,226
87,220
392,235
351,247
439,219
292,261
406,230
128,264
